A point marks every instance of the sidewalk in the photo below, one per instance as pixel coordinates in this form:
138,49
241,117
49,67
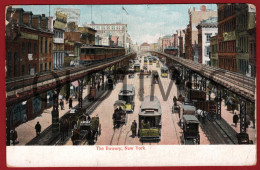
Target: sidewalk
26,131
228,117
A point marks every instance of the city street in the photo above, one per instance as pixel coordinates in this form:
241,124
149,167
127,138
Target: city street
170,132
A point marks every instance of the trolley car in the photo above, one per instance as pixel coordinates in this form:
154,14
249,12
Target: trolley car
150,119
137,67
127,94
145,61
164,71
93,53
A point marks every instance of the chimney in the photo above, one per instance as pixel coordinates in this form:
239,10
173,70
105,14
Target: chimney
43,15
203,8
194,8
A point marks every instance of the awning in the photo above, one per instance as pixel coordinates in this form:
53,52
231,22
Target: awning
75,83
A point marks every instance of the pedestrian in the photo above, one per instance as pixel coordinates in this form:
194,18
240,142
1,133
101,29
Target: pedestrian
13,136
38,128
133,129
98,85
235,119
70,103
62,104
174,101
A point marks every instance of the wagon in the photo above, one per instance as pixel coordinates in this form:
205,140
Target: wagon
190,133
87,131
119,116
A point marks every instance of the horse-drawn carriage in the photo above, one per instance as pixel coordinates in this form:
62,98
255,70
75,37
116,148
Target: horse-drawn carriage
155,77
190,129
119,116
87,131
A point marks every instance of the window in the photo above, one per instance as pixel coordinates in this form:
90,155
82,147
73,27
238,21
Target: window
9,63
49,66
29,69
29,47
46,44
41,43
15,64
50,47
45,66
35,48
35,68
23,47
23,69
41,68
208,37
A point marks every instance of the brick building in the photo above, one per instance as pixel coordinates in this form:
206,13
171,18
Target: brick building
181,42
28,51
227,37
236,37
72,46
26,35
191,36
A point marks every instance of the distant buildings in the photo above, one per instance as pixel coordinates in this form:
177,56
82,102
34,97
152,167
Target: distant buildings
181,42
106,33
144,47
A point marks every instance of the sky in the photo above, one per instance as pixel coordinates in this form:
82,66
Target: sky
145,23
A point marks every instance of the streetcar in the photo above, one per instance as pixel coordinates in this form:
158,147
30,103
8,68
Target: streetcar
137,67
150,61
149,119
127,94
190,129
164,71
145,61
131,63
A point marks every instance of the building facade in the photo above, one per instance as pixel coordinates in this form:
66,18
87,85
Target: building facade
191,37
112,30
144,47
181,42
28,43
59,25
206,29
214,51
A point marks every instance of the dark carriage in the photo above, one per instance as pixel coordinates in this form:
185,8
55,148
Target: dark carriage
243,138
190,129
87,131
119,116
155,77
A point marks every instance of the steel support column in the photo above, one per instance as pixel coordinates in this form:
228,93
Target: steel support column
55,110
9,110
218,100
195,81
80,92
242,115
103,80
